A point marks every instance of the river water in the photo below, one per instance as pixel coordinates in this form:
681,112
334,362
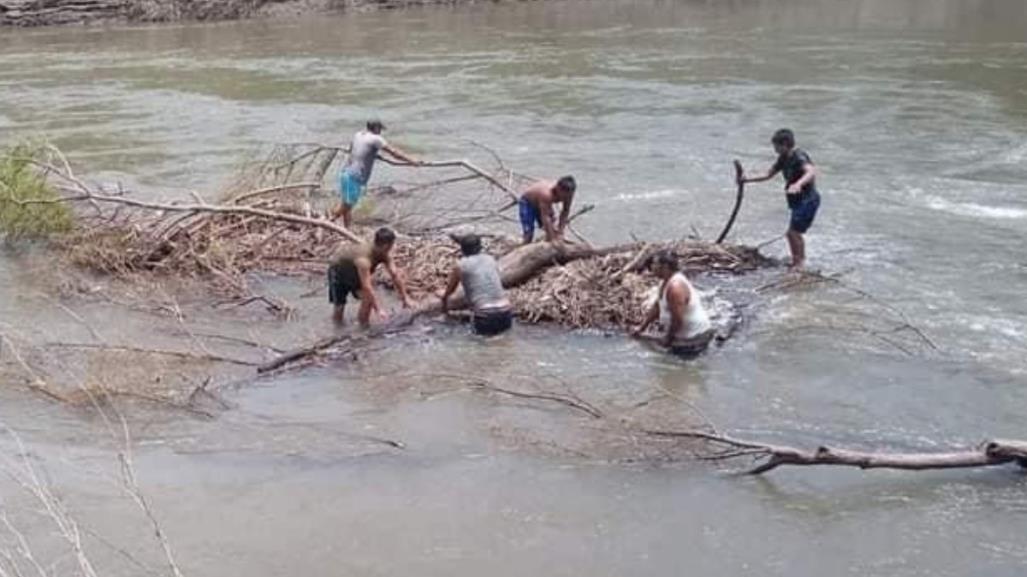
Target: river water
916,114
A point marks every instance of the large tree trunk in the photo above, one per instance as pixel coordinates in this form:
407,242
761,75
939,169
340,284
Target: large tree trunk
525,262
528,261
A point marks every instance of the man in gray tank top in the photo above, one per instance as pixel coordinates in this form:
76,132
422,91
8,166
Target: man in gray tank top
483,288
355,174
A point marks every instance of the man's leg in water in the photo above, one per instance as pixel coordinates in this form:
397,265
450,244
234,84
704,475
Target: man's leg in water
338,291
350,191
802,218
347,215
797,246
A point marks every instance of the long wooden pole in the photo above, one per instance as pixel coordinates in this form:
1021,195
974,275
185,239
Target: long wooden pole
738,203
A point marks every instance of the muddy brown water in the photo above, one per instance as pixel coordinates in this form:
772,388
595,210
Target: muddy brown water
915,112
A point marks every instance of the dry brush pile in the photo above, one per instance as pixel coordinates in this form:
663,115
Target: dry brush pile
272,220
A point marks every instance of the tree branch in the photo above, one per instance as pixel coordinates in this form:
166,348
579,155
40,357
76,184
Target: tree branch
991,453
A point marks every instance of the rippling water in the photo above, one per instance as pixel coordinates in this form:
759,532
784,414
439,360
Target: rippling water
915,113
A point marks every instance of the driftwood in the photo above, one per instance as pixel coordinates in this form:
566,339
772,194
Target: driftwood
516,267
256,228
545,286
522,264
301,353
990,453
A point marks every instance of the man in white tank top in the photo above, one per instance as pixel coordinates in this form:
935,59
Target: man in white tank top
678,308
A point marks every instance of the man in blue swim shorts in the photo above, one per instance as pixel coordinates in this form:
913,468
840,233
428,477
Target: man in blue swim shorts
536,207
353,178
800,190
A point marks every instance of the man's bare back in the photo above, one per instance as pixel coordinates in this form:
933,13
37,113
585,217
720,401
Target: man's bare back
536,207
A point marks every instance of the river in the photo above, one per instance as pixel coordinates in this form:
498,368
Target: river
915,111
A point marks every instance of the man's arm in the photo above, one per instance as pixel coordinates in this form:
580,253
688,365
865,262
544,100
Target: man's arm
771,173
809,172
677,299
545,212
400,154
451,284
565,214
397,279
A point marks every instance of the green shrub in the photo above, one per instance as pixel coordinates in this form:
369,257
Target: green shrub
28,207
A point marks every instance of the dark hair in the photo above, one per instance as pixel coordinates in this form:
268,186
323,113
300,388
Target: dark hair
375,125
384,236
784,137
664,258
567,184
470,244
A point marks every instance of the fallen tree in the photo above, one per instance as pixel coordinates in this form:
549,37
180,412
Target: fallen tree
267,223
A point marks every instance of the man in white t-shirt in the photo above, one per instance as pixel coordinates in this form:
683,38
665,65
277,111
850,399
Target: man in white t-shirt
353,178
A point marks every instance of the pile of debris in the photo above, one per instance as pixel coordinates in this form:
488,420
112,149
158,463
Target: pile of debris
270,222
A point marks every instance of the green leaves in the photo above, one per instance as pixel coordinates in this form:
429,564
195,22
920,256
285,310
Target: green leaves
29,207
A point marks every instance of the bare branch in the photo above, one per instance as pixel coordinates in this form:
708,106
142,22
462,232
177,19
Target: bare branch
130,349
991,453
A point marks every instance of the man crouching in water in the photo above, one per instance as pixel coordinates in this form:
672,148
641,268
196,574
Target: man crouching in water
678,308
350,273
535,207
483,289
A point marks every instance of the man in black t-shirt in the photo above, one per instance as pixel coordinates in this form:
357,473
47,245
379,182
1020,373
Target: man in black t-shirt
800,190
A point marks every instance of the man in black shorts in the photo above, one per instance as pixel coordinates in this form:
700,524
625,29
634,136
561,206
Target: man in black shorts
350,274
800,190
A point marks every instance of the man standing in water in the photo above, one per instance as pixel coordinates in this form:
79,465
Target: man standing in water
678,308
350,274
483,289
363,151
536,207
800,190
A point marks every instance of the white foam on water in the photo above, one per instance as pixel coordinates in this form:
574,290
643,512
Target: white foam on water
1005,327
973,209
649,195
